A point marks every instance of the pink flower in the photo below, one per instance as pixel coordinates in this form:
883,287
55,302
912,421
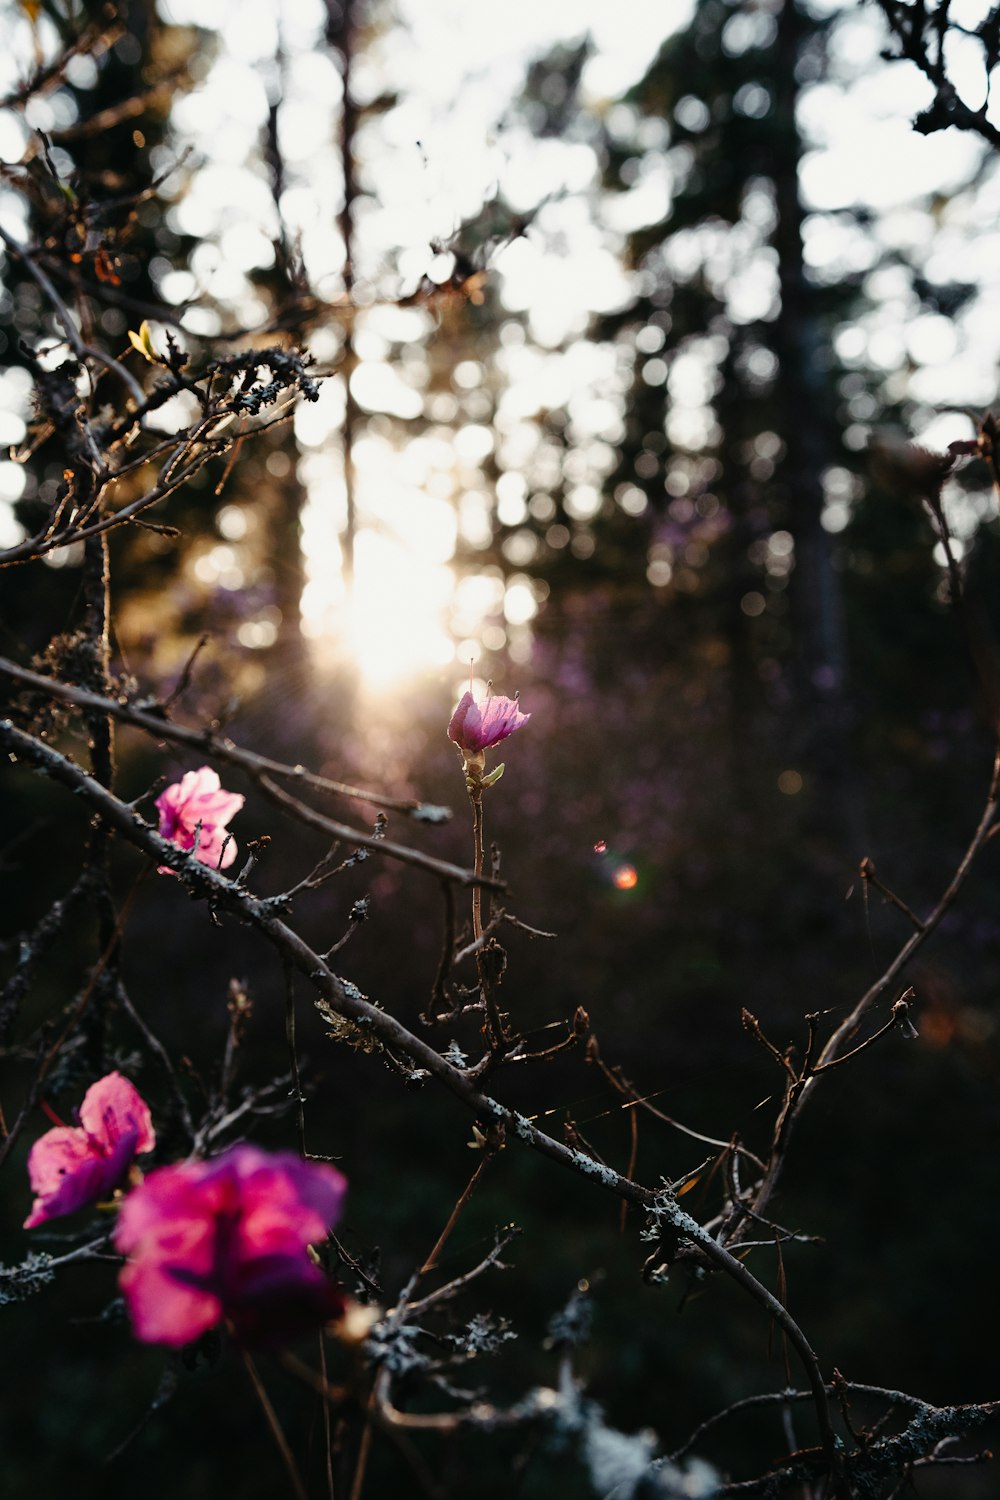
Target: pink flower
226,1239
475,729
199,798
72,1166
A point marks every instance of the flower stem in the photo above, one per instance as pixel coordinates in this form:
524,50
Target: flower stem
495,1036
477,894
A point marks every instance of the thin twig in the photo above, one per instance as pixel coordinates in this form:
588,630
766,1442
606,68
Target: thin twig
867,873
260,767
293,1058
747,1403
890,1025
364,1448
439,1004
327,1424
802,1085
401,852
452,1288
442,1239
156,1046
271,1417
228,896
623,1086
917,939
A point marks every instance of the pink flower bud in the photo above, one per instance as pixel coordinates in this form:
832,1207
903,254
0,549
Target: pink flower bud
474,728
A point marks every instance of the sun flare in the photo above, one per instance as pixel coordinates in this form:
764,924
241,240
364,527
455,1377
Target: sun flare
406,611
392,619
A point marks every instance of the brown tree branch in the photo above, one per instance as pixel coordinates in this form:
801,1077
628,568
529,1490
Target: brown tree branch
155,722
225,895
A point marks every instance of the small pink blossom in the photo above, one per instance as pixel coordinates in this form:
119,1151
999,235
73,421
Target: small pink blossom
75,1165
226,1239
474,728
197,799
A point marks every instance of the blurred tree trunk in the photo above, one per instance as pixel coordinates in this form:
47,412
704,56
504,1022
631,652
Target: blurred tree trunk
341,35
811,447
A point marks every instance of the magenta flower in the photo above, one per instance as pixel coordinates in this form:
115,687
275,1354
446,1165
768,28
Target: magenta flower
475,729
226,1239
197,799
75,1165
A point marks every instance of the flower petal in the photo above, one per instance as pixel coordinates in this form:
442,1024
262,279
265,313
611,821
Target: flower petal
163,1310
474,728
113,1107
459,728
65,1172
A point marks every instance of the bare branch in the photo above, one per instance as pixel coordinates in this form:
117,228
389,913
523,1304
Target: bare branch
205,882
155,722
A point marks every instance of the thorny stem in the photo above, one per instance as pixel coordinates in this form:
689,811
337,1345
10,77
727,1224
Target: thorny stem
354,1264
381,1405
802,1081
239,1009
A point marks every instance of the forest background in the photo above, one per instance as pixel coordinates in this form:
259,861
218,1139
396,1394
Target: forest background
620,326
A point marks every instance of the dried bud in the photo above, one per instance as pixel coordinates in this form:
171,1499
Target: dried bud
901,1015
